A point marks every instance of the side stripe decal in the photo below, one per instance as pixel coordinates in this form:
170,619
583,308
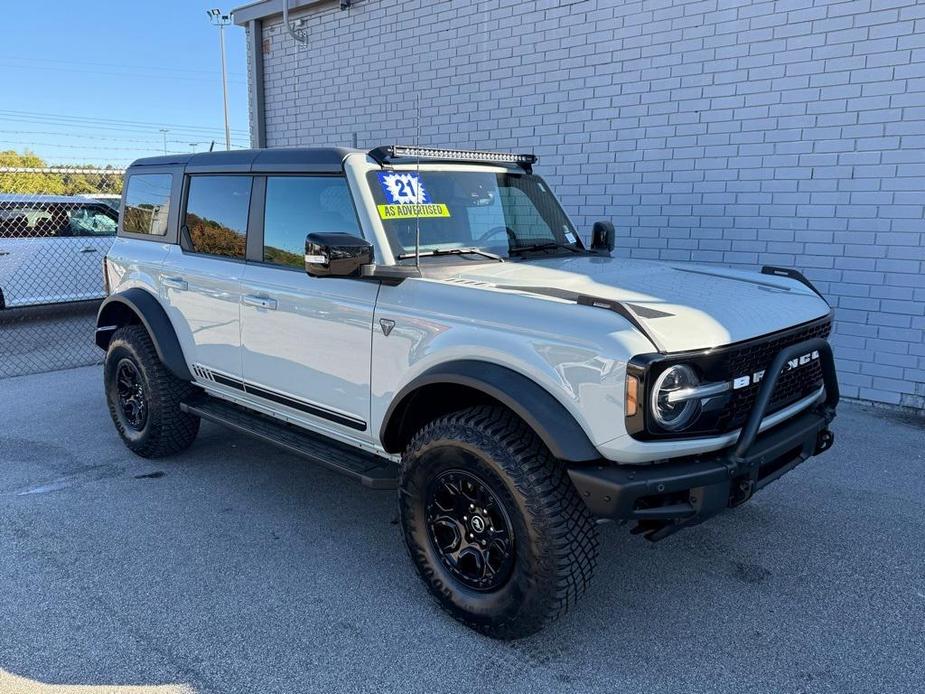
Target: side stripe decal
279,398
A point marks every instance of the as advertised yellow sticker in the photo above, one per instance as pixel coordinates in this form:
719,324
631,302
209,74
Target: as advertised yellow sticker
412,211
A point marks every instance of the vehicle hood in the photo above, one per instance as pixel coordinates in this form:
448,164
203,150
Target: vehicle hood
682,306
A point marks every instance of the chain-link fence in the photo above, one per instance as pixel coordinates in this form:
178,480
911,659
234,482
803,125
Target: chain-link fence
56,225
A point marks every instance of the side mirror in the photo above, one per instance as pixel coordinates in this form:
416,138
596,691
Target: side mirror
602,237
334,254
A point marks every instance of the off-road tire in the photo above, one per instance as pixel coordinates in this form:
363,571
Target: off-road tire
166,428
555,539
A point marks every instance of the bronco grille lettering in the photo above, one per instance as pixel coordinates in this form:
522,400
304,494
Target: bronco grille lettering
758,376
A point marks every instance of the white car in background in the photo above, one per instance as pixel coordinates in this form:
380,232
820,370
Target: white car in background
52,248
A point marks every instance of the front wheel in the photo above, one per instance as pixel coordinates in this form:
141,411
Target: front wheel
493,524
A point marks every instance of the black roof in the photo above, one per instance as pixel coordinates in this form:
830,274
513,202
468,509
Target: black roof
295,159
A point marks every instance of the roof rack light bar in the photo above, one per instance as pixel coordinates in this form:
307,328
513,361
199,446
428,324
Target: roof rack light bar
389,152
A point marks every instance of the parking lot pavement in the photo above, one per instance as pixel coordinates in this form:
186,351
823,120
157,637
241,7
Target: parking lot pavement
236,568
34,339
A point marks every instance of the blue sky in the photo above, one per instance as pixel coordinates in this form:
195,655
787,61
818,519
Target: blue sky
96,84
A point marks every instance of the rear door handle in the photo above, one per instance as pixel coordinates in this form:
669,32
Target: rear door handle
88,249
175,283
260,301
4,252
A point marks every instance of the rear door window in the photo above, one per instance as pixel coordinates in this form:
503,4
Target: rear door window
216,214
299,205
147,204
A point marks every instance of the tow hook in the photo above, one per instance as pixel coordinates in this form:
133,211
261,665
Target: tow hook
741,491
824,441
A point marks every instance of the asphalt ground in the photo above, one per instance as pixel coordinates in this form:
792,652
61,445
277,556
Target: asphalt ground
234,567
34,339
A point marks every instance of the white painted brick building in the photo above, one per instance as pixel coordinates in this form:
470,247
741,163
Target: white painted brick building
740,132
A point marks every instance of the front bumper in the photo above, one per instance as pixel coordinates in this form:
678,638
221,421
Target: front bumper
666,497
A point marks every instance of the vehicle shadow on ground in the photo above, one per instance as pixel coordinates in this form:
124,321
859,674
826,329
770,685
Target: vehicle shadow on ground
732,580
340,527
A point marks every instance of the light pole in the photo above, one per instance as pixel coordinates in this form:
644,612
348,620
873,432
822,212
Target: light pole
221,21
164,132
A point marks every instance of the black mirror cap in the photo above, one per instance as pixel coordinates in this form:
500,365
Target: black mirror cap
335,254
602,237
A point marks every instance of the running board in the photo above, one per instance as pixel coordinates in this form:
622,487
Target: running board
370,470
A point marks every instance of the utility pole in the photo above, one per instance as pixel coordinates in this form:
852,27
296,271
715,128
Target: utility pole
164,132
221,21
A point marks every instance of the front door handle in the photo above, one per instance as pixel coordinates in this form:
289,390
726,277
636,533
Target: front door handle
4,252
260,301
88,249
175,283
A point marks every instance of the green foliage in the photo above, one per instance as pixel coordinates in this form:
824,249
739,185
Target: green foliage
51,182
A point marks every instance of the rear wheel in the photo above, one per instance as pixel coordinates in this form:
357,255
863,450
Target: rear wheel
493,524
144,397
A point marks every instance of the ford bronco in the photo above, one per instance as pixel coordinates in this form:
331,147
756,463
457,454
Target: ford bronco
430,320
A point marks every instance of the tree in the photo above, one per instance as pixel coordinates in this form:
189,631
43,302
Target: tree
54,180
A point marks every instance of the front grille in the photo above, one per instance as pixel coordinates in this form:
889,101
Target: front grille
757,355
730,410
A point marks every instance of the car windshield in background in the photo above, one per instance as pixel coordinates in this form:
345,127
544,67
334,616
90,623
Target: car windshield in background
470,214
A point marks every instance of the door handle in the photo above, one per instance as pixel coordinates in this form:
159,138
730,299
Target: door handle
260,301
89,250
4,252
175,283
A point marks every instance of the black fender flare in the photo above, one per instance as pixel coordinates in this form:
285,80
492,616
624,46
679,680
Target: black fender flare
541,411
152,316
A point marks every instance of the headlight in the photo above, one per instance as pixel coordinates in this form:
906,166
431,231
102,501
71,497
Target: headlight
669,413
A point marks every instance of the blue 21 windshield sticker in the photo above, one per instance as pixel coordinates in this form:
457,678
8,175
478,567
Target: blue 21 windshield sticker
403,188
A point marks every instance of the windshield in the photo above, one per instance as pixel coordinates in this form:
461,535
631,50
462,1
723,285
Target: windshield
503,214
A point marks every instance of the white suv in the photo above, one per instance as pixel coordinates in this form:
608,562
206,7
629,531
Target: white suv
430,319
51,248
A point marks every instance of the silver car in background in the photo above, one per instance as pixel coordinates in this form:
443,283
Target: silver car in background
52,248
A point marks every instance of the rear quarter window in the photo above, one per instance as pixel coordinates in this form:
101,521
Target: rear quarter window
147,204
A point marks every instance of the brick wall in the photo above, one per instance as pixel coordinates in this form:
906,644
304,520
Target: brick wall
738,132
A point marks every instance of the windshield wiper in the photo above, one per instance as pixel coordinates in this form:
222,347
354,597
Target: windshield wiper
450,251
545,246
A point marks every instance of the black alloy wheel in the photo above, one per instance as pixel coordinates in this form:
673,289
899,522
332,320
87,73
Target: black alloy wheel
470,530
131,394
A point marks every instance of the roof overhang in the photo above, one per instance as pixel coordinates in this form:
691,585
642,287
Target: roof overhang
263,9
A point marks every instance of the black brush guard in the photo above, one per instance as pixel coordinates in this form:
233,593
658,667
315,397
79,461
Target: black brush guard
666,497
